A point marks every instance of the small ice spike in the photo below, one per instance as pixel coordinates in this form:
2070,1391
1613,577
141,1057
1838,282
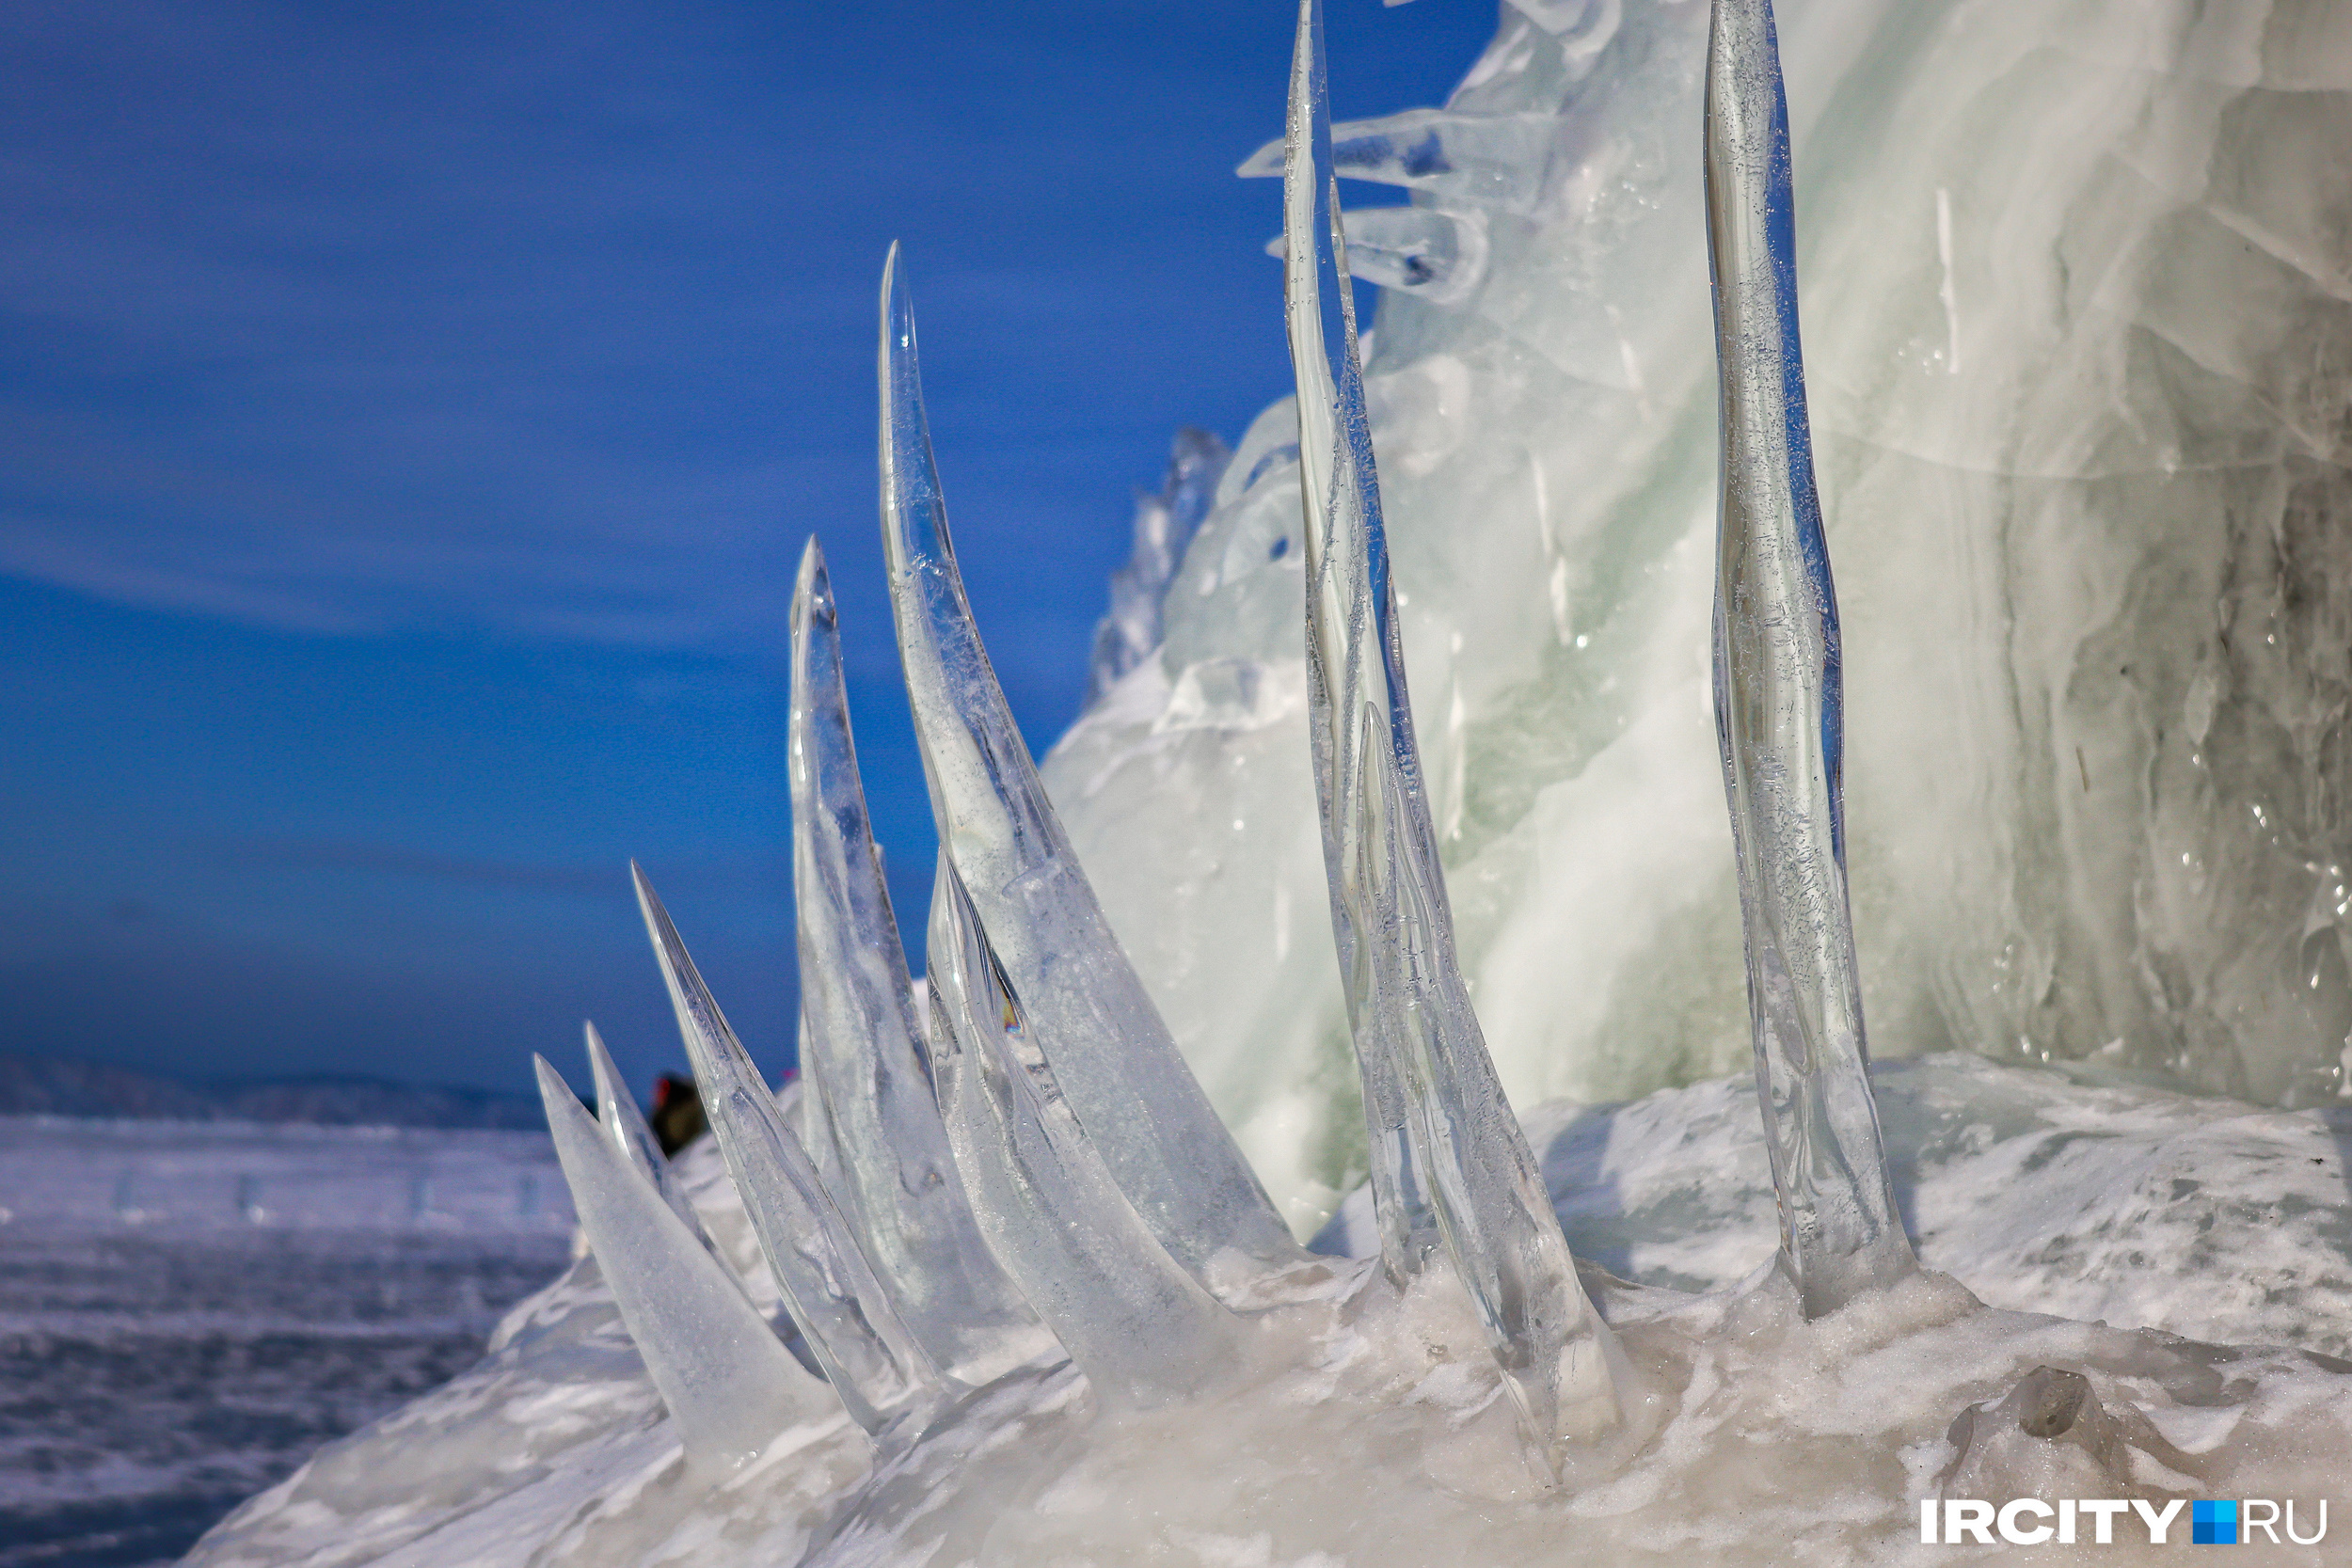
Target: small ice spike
624,1124
867,1075
1439,1122
1087,1010
886,1381
728,1380
1779,702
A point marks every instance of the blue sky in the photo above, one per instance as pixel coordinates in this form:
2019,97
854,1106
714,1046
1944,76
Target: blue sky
412,415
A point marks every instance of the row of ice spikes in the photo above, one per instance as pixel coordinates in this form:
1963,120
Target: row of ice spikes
1031,1166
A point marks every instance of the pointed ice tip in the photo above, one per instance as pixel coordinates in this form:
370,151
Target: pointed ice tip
600,1067
812,595
725,1378
624,1124
649,906
554,1093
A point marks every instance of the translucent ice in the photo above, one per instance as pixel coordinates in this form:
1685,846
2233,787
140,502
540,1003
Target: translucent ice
1495,159
728,1380
1386,1444
862,1054
624,1124
1088,1012
884,1376
2073,281
1441,1131
1142,1329
1779,700
1164,524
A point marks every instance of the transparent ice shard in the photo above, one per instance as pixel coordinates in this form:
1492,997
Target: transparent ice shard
862,1053
1437,1110
624,1124
1164,524
1492,160
1140,1327
728,1380
1779,701
1087,1010
887,1382
1426,252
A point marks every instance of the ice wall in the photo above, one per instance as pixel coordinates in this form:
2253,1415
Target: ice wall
2079,301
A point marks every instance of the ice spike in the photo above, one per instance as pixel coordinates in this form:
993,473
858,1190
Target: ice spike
1779,702
1439,1122
863,1059
624,1124
887,1382
728,1380
1088,1012
1141,1328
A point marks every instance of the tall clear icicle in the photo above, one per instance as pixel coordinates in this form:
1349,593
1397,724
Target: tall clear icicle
1435,1108
729,1382
882,1372
624,1124
1141,1328
1087,1011
1779,702
862,1054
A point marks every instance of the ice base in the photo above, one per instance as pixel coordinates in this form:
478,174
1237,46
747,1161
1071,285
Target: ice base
1383,1442
2076,311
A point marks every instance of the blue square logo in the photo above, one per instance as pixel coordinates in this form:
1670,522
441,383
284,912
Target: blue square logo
2213,1523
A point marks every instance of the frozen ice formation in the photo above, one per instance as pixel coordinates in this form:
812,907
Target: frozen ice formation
1445,1146
1086,1008
1165,524
2072,281
863,1050
624,1124
724,1376
1143,1330
883,1375
1735,1322
1780,699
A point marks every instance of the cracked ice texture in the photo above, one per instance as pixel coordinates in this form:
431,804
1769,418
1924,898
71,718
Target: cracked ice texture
2080,364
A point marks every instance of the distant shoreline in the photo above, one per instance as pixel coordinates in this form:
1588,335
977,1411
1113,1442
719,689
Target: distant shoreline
85,1091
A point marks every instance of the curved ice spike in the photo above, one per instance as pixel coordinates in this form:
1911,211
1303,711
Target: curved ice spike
1141,1328
1087,1010
862,1053
887,1382
624,1124
1435,1107
728,1380
1779,701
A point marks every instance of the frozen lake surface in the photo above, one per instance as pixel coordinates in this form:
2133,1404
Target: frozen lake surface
188,1309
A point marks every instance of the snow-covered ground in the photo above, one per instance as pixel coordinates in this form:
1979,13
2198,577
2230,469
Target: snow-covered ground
1373,1437
188,1309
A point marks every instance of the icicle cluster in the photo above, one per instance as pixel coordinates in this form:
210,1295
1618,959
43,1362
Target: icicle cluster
1031,1170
